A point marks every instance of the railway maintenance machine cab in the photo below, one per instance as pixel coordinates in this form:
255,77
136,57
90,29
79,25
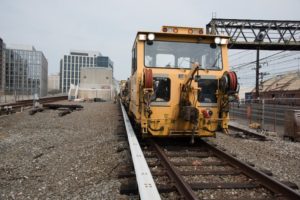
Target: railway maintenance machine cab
180,83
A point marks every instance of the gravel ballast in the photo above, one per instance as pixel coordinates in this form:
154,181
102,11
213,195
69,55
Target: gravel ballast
70,157
281,157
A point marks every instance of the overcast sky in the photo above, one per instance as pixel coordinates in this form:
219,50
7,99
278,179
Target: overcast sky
56,26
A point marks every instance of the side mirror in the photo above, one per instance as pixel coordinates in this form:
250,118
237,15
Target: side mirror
149,42
213,45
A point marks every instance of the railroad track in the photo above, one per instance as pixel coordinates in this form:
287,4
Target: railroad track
24,103
247,134
202,171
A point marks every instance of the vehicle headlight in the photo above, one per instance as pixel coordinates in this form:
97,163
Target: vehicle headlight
224,41
142,37
217,40
151,36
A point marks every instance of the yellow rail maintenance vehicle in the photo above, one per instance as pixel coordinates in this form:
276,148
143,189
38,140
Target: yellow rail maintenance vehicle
180,83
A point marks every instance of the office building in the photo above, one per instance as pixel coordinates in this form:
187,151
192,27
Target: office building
26,71
71,65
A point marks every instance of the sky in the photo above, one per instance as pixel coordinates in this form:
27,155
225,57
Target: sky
57,26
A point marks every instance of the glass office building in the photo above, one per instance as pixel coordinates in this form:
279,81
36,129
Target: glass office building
104,61
71,64
26,72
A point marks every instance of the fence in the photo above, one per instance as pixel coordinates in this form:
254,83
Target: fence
13,98
269,113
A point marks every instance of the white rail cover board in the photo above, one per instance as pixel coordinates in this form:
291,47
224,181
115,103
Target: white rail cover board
146,185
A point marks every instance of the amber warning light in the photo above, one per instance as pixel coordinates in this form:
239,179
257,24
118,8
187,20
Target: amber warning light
182,30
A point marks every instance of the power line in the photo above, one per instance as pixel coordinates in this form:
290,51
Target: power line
238,53
269,63
241,56
252,62
271,72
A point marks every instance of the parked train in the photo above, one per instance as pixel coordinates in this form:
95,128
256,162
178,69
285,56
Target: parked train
180,83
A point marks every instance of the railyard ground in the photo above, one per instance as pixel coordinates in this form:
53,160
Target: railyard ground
76,156
71,157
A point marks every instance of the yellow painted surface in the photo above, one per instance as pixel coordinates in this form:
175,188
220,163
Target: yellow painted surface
165,120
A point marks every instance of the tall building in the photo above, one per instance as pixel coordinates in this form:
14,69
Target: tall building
2,67
26,71
71,64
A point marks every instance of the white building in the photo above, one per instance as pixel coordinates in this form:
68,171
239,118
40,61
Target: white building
71,65
95,82
53,82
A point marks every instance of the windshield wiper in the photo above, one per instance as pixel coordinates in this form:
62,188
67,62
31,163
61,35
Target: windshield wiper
216,60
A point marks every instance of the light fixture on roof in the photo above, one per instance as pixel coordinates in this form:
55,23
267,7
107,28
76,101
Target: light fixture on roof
217,40
151,36
142,37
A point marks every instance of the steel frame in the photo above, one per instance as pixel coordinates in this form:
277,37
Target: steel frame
251,34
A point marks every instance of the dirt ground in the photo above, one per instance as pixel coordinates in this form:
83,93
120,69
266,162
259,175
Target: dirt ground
45,156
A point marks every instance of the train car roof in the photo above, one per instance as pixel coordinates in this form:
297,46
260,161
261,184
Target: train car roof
182,34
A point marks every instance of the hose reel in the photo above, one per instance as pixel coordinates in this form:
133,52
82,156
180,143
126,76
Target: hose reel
148,79
229,83
148,90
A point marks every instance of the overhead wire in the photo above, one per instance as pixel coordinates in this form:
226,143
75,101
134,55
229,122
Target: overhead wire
240,52
266,57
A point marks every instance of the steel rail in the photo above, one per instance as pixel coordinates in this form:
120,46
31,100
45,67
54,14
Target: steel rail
267,181
29,102
249,133
183,188
147,187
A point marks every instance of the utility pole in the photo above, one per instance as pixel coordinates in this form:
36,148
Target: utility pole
257,74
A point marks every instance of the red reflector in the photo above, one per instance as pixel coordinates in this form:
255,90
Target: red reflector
205,114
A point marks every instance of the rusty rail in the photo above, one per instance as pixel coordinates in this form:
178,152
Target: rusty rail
29,102
183,188
249,133
275,186
186,190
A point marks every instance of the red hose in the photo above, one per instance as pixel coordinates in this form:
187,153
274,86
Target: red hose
148,78
232,81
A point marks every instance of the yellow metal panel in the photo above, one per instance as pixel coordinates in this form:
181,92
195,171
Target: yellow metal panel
164,120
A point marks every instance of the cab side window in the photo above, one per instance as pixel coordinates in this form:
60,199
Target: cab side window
161,87
134,61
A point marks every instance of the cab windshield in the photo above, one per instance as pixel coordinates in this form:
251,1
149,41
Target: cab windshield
182,55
